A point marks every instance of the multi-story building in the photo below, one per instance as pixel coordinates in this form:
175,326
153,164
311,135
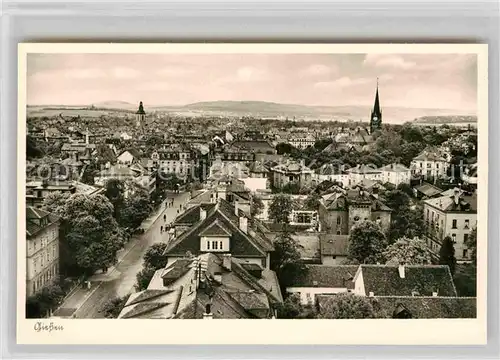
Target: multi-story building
339,212
37,191
360,173
429,164
291,172
42,249
179,159
452,215
396,174
302,142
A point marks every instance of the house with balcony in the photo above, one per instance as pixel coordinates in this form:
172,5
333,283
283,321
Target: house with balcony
429,164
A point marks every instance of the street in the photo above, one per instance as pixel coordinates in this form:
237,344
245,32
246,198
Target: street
120,280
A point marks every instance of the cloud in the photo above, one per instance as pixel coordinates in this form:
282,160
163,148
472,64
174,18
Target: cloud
388,61
249,73
89,73
125,73
342,82
154,86
174,71
318,70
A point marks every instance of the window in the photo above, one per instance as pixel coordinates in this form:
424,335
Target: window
339,220
437,166
464,253
356,218
208,245
215,245
454,238
466,224
338,232
466,238
428,165
427,214
309,298
454,224
220,245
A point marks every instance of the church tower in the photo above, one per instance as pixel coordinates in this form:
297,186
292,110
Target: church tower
376,117
140,115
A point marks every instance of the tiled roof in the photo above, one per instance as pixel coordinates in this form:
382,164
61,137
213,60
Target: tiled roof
428,189
384,280
33,217
429,155
216,228
192,215
331,244
175,270
448,203
427,307
258,167
326,276
363,169
241,244
395,168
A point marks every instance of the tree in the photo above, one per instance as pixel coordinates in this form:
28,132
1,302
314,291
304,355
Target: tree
154,256
115,192
408,251
172,182
135,209
113,307
291,308
465,279
347,306
285,260
54,202
144,278
257,206
367,243
92,235
471,243
312,201
281,208
41,303
447,254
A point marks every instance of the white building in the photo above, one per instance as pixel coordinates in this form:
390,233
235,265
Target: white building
302,142
396,174
42,249
452,215
429,164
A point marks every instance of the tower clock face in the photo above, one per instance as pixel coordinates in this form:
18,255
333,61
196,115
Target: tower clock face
375,118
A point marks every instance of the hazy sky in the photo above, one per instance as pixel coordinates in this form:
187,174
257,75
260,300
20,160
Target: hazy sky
424,81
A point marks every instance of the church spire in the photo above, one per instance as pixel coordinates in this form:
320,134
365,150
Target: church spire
376,116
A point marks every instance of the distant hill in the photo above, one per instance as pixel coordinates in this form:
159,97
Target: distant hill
446,119
262,109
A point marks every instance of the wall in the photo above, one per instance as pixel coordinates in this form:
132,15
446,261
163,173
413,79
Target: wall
223,240
312,292
328,219
385,219
255,184
362,212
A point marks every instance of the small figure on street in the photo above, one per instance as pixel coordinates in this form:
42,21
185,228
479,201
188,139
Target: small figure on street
161,229
165,217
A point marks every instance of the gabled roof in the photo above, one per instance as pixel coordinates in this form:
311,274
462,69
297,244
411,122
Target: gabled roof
428,190
241,244
448,203
192,215
363,169
429,155
395,168
326,276
385,280
215,229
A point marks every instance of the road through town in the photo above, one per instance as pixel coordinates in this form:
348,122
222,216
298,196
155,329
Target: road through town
120,280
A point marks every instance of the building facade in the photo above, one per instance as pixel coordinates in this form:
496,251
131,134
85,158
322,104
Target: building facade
42,249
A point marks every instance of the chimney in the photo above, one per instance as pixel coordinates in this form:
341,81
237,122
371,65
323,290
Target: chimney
207,315
434,293
456,195
401,269
218,277
236,207
244,224
226,261
371,294
203,213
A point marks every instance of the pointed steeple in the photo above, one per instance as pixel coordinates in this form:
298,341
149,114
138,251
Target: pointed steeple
376,116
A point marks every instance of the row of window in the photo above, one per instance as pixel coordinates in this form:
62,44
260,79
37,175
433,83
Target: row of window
43,279
215,245
44,258
454,222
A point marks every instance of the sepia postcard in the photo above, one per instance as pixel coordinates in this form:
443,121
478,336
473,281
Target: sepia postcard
338,192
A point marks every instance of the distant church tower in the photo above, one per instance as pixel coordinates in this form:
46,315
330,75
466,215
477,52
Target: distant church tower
140,115
376,117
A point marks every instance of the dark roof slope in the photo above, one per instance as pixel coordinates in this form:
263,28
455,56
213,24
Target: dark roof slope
325,276
331,244
192,215
384,280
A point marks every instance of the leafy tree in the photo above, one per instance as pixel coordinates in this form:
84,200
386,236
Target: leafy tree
285,260
291,188
115,192
405,188
447,254
144,278
33,150
347,306
281,208
135,209
465,279
312,201
257,206
408,251
54,202
472,244
92,235
113,307
154,256
410,151
321,144
293,309
367,243
39,304
172,182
